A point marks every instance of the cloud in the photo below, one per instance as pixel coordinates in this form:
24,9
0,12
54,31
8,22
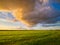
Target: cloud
44,14
7,16
9,25
13,4
28,14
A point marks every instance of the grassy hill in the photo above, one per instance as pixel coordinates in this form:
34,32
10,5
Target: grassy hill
30,37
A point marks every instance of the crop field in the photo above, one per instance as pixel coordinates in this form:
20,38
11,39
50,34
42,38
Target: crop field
30,37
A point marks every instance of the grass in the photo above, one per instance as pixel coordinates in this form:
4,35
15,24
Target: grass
30,37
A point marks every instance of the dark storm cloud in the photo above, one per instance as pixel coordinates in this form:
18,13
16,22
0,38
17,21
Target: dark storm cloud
43,14
34,12
47,16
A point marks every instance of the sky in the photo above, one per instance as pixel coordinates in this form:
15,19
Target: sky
21,15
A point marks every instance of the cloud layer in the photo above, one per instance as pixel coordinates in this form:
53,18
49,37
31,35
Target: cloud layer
32,12
43,13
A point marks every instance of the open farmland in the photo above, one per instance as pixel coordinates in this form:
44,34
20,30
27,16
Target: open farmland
30,37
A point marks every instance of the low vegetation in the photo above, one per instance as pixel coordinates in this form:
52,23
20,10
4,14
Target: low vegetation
30,37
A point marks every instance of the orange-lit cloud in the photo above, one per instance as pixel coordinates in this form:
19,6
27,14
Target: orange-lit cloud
19,5
25,11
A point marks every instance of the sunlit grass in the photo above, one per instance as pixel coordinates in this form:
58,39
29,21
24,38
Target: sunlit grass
30,37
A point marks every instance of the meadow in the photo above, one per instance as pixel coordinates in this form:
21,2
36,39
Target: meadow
30,37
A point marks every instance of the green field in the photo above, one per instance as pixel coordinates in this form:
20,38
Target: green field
30,37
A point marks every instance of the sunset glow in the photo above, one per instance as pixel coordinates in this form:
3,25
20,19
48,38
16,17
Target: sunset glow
29,14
